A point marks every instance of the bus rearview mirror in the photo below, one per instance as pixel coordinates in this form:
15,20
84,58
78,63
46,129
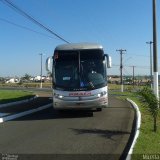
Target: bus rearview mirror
49,64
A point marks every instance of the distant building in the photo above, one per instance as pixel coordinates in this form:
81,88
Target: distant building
38,78
12,80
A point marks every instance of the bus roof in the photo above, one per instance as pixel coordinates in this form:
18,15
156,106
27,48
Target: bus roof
78,46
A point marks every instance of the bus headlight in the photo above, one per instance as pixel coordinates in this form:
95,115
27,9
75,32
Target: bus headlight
58,96
102,94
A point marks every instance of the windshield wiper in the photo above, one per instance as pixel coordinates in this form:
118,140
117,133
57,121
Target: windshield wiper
91,84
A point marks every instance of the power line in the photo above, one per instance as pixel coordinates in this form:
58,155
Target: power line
21,12
138,55
23,27
143,67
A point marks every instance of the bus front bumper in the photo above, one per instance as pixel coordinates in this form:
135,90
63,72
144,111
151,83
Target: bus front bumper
101,102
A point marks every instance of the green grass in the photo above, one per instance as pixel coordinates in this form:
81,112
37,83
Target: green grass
27,85
117,87
148,141
7,96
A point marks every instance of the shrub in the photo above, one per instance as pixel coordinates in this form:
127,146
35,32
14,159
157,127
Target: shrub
151,101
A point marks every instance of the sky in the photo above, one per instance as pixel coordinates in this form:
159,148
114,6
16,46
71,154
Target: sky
116,24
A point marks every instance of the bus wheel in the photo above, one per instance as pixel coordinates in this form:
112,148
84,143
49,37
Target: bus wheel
99,109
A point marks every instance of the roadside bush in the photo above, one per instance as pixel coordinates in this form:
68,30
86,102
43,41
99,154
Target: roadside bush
152,104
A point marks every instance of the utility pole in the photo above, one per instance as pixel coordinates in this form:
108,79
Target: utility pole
41,71
121,67
133,76
155,60
151,79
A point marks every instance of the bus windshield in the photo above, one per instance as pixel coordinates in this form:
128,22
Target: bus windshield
79,70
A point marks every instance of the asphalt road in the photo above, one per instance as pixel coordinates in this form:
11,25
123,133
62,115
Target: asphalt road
73,135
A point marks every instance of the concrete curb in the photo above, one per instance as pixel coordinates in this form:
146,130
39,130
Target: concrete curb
137,128
18,115
18,102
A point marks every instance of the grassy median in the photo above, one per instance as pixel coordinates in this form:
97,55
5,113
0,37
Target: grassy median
148,143
7,96
27,85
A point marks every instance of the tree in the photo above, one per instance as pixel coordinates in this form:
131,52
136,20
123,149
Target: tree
26,77
151,101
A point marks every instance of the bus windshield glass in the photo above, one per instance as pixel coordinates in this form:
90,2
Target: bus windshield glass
79,70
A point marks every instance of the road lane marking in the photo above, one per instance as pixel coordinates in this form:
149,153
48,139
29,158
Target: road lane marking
21,114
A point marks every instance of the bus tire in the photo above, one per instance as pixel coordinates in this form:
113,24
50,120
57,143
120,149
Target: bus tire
99,109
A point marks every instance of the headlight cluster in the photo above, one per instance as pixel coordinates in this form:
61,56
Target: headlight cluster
102,94
58,96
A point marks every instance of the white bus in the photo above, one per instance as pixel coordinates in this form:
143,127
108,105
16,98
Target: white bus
79,76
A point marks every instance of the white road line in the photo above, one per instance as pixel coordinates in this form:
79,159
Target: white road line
17,102
3,114
18,115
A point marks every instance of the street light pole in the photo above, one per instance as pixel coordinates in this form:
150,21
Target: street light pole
150,44
41,71
155,60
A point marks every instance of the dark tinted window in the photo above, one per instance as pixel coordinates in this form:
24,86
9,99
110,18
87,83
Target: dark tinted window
79,70
91,54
